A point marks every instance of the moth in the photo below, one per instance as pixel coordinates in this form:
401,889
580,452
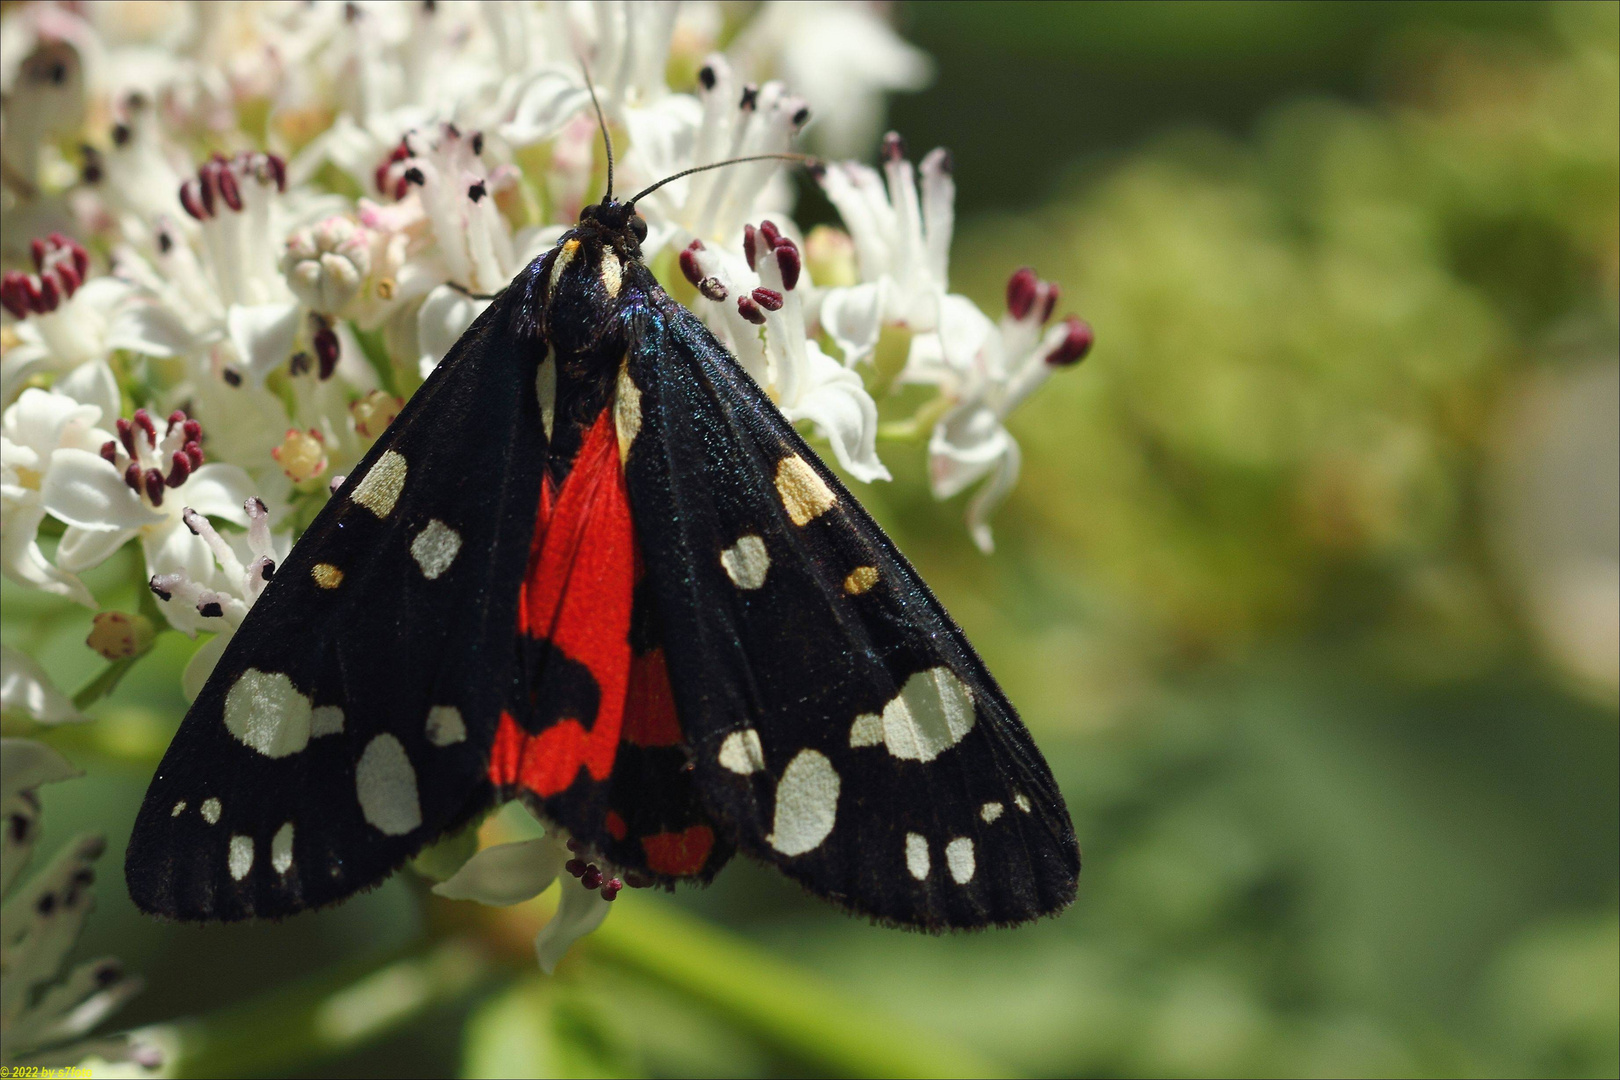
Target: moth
590,566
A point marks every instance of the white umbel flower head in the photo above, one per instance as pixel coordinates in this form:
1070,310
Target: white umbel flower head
326,264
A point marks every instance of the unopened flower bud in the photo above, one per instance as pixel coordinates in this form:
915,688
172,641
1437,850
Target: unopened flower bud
118,636
301,455
830,255
374,412
325,265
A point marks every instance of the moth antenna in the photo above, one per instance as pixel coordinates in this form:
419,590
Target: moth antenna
601,121
469,294
803,159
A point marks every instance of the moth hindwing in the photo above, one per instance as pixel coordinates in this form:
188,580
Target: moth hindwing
592,567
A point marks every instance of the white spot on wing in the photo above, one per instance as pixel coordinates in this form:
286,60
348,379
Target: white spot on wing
445,726
240,860
1021,802
805,495
959,860
545,388
742,753
326,575
179,808
281,848
746,562
626,410
379,489
386,785
806,804
860,580
435,548
612,273
930,714
565,255
210,810
325,720
917,855
267,713
990,811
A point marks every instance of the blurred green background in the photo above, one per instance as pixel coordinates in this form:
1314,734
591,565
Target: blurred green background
1309,592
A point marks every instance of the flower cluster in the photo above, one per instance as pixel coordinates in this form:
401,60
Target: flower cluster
248,234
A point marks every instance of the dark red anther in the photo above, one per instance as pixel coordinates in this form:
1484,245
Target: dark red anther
132,476
13,294
126,435
591,878
154,486
1050,301
192,429
575,866
109,451
611,887
143,420
36,248
207,184
33,293
1021,289
81,257
194,452
278,170
748,245
380,177
769,299
326,351
788,262
1075,344
770,232
574,845
414,175
750,310
689,267
894,147
68,275
713,289
176,417
298,364
179,469
191,200
50,296
228,190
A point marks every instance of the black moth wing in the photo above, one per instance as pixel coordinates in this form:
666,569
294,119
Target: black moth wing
348,722
841,724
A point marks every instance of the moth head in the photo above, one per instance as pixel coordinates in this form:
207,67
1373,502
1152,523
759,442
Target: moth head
618,218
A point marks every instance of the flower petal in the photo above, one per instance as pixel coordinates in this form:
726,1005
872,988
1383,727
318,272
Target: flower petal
25,688
263,334
990,496
853,318
150,330
80,549
92,384
84,490
201,664
507,873
579,911
22,560
217,490
443,318
835,400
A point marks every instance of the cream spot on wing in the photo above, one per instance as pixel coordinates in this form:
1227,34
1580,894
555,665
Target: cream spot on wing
626,410
325,720
1021,802
326,575
179,808
746,562
612,273
445,726
379,489
565,255
860,580
932,713
917,855
545,388
742,753
267,713
386,785
240,860
281,849
990,811
959,860
210,810
867,730
806,804
803,492
435,548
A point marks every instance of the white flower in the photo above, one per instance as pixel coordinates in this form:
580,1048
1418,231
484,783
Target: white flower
34,432
902,245
511,873
842,57
138,177
804,382
67,322
219,600
139,485
987,371
26,689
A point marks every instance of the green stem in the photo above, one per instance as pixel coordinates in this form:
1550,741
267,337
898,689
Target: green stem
782,1004
102,685
919,424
